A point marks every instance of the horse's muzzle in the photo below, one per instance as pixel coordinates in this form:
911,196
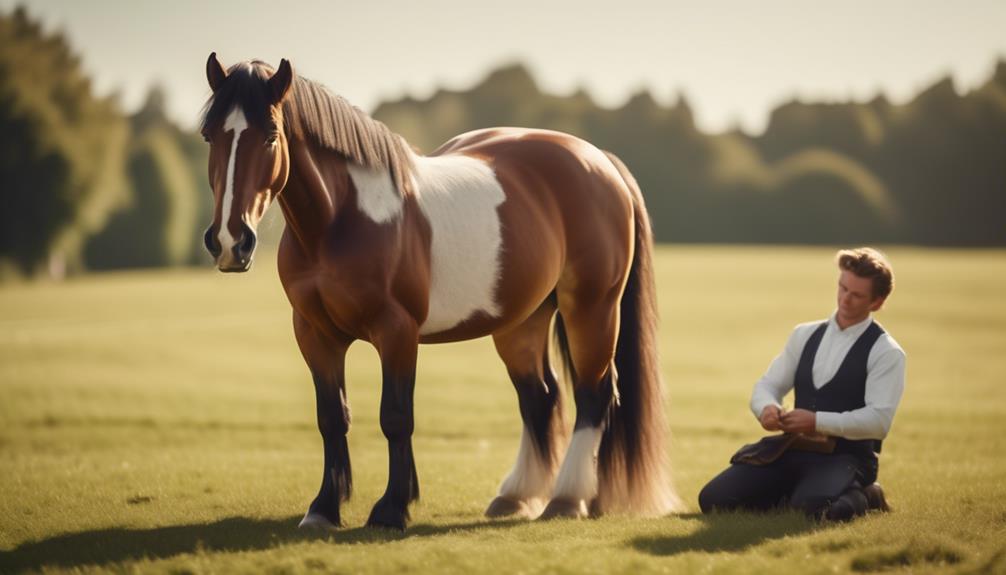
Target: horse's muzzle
239,257
235,269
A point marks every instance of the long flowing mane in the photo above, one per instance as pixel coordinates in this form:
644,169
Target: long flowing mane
312,112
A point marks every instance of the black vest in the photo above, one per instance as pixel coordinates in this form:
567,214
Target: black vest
845,392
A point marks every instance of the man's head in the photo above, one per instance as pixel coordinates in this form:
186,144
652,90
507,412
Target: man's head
865,282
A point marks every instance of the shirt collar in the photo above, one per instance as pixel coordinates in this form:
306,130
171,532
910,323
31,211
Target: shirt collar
854,330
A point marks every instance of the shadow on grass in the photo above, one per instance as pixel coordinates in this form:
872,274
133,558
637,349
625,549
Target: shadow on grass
728,532
105,546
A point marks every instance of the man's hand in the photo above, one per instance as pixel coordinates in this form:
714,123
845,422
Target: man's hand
798,421
769,418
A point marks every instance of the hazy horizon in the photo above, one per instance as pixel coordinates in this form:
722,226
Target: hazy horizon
734,62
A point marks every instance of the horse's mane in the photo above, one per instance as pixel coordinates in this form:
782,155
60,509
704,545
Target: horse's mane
312,112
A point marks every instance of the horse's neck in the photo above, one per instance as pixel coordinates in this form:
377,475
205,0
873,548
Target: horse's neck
315,191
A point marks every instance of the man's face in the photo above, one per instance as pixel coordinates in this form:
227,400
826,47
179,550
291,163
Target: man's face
855,298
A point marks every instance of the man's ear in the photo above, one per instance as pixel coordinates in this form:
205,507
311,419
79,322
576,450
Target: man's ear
215,73
877,303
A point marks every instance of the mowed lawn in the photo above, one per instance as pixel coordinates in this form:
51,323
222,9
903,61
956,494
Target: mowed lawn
164,422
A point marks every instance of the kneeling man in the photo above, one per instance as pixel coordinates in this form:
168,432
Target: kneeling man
848,375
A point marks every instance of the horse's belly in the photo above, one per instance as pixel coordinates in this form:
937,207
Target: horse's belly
476,326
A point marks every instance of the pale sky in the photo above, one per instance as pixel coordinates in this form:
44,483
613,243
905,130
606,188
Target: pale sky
733,60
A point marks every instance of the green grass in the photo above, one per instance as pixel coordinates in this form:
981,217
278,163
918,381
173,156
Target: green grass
164,422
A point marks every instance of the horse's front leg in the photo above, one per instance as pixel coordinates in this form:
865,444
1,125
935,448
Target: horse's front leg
397,342
326,357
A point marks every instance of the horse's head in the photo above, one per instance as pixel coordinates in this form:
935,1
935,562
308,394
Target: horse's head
249,158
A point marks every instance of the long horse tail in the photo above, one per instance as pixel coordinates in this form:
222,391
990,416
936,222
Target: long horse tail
633,467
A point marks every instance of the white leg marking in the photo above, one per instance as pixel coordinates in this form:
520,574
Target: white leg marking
315,521
376,195
459,197
530,479
237,123
578,474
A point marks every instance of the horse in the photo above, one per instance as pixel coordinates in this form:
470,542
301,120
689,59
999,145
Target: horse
536,238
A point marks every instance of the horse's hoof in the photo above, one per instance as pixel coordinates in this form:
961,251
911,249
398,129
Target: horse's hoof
317,521
565,508
385,515
507,507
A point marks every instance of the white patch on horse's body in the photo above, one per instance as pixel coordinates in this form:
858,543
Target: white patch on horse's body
577,479
376,195
530,480
459,197
237,123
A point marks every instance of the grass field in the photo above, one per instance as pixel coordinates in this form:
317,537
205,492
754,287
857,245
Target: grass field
164,422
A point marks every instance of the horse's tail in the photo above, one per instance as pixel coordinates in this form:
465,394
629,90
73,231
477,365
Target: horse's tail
633,469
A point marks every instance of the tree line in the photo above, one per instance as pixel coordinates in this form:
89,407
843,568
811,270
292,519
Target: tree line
88,187
85,186
931,171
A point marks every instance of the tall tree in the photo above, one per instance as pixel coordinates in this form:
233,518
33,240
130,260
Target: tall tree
61,152
161,223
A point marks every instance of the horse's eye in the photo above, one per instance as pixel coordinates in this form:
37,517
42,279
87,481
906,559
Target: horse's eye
272,140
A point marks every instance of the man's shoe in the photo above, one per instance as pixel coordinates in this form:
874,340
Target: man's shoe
875,499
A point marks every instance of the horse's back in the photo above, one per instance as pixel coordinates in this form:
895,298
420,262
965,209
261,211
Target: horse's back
549,166
549,150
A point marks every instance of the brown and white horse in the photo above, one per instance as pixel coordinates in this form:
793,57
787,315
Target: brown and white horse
495,233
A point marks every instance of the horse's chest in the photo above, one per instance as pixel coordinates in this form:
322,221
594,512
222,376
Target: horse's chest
327,305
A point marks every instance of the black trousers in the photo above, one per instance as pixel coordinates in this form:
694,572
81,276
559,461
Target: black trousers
820,485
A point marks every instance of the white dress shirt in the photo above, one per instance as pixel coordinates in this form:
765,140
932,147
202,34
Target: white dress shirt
885,379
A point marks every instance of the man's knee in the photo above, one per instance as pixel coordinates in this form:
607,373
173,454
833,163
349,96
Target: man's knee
715,496
811,505
852,503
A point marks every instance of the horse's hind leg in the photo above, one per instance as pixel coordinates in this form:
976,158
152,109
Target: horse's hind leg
524,350
591,323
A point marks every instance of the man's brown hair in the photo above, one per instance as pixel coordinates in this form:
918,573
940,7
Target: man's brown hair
869,263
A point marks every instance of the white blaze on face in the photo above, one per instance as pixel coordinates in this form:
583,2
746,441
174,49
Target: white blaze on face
237,123
459,197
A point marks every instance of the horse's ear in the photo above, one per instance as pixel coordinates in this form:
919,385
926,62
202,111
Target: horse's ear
215,73
279,84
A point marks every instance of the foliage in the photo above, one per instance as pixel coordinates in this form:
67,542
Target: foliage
61,151
164,422
161,225
930,171
86,186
